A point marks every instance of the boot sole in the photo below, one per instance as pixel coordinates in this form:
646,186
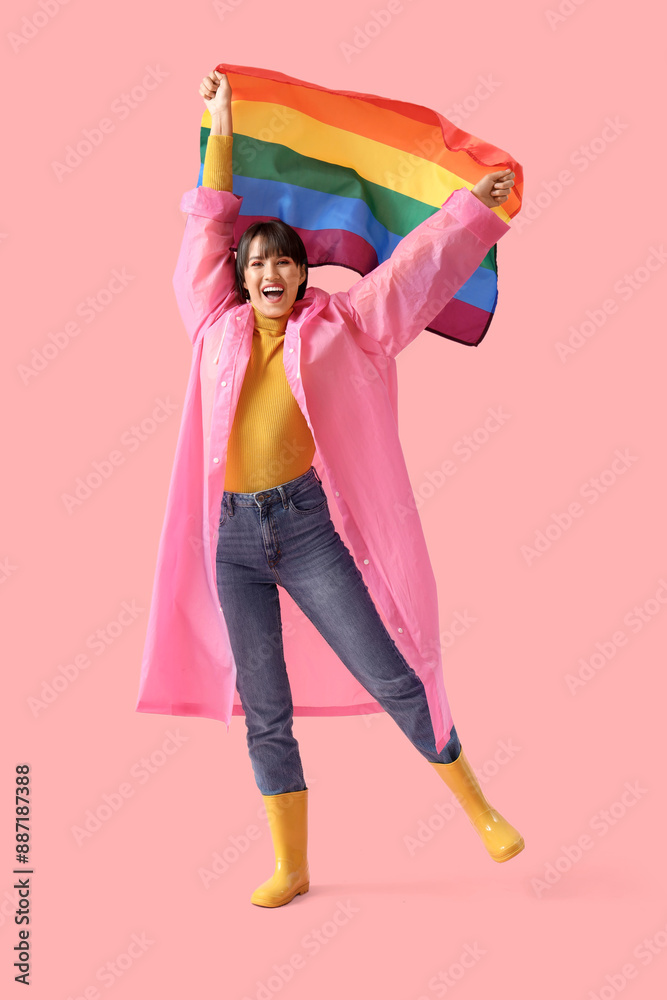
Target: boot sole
518,847
297,892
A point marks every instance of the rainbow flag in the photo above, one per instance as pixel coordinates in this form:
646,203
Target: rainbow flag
354,174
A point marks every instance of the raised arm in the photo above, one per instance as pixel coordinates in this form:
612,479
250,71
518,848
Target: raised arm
393,303
204,279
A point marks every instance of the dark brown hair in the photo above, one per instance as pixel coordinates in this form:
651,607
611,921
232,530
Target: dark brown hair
277,238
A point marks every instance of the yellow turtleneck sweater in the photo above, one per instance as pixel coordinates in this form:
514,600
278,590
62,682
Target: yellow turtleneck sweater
270,441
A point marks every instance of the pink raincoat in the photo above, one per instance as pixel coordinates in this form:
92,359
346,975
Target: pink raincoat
339,356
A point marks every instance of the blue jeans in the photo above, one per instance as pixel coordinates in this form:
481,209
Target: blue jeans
285,537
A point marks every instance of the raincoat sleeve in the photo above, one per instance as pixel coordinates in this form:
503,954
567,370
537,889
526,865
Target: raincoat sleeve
392,304
204,279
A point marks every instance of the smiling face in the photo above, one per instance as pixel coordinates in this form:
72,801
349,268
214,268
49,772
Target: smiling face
272,280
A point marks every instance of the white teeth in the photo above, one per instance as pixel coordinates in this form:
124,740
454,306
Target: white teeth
273,288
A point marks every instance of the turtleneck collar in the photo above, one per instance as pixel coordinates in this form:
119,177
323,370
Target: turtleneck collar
272,326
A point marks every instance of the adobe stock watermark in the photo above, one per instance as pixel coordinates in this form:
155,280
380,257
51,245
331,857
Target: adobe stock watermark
98,642
443,812
636,620
462,451
406,163
383,357
445,980
32,24
591,491
115,968
458,625
221,861
121,107
361,699
625,288
250,148
562,13
225,7
581,159
271,643
311,944
645,951
140,773
238,845
600,824
9,905
7,569
459,112
87,310
131,440
377,21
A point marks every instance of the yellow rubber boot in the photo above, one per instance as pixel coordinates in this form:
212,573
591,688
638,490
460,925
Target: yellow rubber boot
499,837
288,821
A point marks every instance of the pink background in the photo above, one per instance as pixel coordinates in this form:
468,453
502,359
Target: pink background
393,919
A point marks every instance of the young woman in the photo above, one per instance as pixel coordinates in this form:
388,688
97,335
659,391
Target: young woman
272,526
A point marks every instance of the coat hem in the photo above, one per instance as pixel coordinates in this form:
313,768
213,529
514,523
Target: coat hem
200,712
193,711
321,710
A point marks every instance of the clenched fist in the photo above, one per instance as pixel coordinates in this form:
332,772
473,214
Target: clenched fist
494,188
216,91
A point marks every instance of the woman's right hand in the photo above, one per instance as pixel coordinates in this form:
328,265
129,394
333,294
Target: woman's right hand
217,92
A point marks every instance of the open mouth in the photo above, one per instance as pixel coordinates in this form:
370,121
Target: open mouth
273,293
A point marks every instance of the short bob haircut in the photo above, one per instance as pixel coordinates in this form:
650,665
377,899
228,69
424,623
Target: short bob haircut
277,238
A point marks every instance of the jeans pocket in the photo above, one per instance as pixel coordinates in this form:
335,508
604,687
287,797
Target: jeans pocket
309,500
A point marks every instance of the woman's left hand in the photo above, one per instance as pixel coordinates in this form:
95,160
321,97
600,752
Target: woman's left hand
494,188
